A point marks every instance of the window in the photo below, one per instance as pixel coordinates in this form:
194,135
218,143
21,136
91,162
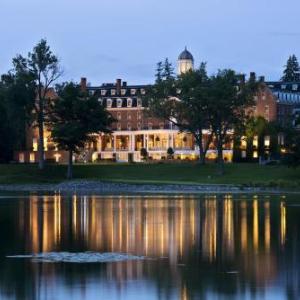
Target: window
119,116
91,93
139,115
119,102
161,125
123,92
128,116
129,126
103,92
143,91
139,102
295,87
150,125
34,144
264,97
255,142
283,86
255,154
31,157
139,125
113,92
267,141
109,102
100,101
119,126
133,91
255,98
129,102
21,158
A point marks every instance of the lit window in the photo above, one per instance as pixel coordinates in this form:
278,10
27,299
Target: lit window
103,92
109,102
123,92
119,102
113,92
129,102
255,154
143,91
255,142
133,91
267,141
243,143
21,158
46,144
32,157
34,144
139,102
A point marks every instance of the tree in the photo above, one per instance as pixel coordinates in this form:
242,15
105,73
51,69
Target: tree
43,65
170,152
291,72
184,102
17,93
228,100
75,119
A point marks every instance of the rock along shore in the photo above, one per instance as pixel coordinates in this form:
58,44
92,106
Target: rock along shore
98,187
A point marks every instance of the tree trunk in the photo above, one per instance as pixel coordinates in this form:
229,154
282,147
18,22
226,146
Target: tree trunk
220,158
70,164
41,140
201,154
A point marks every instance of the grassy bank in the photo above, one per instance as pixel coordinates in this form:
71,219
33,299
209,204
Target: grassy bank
185,173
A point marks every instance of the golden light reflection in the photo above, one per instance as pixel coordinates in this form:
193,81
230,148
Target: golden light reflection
282,223
255,225
244,229
267,226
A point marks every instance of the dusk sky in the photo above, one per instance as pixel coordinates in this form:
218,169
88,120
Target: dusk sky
108,39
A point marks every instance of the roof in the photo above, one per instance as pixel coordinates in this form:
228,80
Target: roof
186,55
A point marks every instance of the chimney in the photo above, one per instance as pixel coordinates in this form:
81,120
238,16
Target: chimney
252,76
124,83
83,83
262,79
118,86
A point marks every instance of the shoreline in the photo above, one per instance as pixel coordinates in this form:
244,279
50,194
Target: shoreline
101,187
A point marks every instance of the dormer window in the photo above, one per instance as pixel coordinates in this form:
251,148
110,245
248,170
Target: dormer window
283,86
143,91
100,101
113,92
139,102
123,92
119,102
109,103
103,92
129,102
133,91
295,87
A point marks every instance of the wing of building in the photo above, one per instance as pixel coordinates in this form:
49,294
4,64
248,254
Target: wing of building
135,130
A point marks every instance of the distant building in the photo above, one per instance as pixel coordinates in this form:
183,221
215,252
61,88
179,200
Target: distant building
135,130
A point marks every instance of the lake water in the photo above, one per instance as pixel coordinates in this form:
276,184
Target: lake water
204,247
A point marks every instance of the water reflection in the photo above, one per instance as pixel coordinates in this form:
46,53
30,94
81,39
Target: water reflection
209,246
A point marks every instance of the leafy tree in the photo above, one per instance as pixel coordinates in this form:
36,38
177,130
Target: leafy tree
291,72
17,93
228,103
184,102
144,153
43,65
170,152
75,119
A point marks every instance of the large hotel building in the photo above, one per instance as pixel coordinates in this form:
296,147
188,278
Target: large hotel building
135,130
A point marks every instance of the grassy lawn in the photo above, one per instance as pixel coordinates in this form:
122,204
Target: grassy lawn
186,173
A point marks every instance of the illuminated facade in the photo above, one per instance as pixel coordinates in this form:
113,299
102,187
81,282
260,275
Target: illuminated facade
135,130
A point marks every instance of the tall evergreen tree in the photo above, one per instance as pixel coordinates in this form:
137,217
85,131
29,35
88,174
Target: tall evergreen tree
291,72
